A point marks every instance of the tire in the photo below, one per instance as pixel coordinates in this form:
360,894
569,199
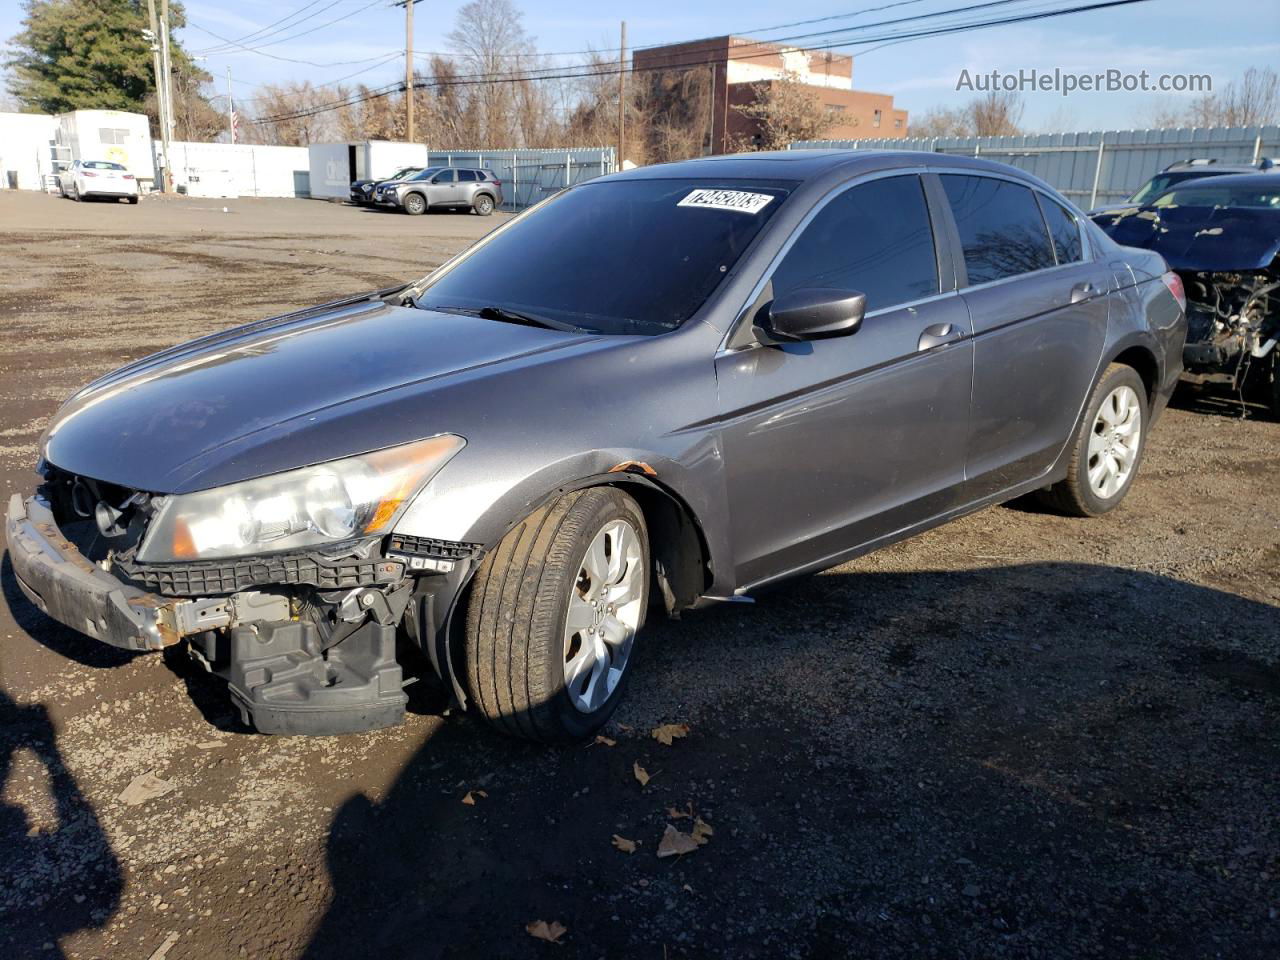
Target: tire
62,191
483,205
415,204
518,650
75,191
1096,482
132,199
1267,390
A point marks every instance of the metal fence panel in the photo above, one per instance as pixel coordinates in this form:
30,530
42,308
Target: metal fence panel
529,176
1091,167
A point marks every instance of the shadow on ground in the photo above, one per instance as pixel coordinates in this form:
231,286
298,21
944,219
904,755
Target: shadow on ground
1046,760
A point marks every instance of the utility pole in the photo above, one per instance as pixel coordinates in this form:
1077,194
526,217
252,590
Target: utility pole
231,113
408,67
622,97
167,118
160,86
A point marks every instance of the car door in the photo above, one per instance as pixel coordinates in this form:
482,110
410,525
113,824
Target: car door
1039,309
832,444
443,188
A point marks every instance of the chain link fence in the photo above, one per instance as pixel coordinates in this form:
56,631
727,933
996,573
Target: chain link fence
529,176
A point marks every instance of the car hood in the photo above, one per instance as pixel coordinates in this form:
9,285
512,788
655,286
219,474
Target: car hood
276,395
1209,239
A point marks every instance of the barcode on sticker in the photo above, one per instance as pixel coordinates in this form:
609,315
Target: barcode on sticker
740,201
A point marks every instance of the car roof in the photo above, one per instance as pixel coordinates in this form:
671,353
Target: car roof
1255,179
804,165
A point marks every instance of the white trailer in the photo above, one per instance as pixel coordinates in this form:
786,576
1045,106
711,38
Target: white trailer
112,135
335,166
26,150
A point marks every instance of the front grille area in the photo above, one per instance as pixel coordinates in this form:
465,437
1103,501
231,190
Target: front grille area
212,578
431,547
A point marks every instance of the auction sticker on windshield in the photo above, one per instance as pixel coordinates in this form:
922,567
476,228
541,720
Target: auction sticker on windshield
740,201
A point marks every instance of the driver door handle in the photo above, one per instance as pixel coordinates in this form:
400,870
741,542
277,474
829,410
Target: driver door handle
935,335
1083,291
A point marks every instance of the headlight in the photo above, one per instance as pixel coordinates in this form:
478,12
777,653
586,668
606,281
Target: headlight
327,503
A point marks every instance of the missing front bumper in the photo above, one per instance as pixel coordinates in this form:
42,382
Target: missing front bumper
69,588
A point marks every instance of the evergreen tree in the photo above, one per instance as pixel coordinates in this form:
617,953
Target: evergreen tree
90,54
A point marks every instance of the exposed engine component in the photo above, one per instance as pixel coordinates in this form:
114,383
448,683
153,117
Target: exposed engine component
1227,317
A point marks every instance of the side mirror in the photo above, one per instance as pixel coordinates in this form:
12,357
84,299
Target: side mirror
815,313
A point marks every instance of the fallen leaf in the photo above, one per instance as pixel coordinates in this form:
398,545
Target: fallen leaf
674,843
550,932
675,814
145,787
669,731
702,831
470,798
607,741
625,845
641,773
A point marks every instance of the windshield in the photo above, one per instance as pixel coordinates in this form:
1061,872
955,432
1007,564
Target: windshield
404,172
427,173
1214,195
627,256
1159,184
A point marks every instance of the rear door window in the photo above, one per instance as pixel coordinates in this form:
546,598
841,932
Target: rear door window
1063,229
874,238
1001,229
467,176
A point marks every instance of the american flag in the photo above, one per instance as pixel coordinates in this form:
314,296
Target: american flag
235,125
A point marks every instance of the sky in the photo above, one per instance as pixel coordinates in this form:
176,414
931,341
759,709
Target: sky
1160,36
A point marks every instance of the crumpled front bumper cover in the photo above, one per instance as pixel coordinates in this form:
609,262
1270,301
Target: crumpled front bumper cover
58,579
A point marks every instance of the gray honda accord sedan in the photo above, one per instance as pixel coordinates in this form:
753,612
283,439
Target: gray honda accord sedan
664,388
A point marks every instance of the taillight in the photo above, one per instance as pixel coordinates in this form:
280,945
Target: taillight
1174,283
88,173
128,176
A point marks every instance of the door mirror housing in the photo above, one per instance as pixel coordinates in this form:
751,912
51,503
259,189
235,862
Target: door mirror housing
815,313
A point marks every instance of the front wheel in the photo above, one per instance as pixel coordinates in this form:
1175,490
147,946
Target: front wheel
1107,447
553,613
415,204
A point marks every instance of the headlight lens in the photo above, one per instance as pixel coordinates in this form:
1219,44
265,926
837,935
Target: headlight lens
327,503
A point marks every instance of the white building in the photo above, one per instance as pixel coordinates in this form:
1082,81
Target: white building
26,149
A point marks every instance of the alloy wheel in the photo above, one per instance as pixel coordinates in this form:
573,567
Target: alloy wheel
603,616
1114,442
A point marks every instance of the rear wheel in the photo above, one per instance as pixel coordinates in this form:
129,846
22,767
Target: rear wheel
1107,447
133,199
415,204
553,614
483,205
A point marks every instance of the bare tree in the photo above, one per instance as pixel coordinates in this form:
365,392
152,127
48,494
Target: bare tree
489,37
298,119
1253,100
782,111
996,114
942,122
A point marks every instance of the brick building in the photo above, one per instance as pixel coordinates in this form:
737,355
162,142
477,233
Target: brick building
735,64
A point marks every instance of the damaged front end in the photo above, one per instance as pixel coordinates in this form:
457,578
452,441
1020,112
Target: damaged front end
1233,325
306,639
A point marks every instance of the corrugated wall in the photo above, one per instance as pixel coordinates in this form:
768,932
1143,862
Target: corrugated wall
1093,167
529,176
238,170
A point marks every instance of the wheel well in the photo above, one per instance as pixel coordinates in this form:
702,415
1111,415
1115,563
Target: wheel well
1144,362
483,193
681,559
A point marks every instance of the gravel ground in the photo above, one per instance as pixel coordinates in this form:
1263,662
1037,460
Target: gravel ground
1016,736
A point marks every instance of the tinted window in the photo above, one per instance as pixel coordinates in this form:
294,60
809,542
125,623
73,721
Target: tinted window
467,176
427,174
874,237
101,165
444,176
620,257
1064,230
1000,226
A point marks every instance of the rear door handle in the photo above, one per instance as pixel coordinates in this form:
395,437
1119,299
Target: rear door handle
1083,291
935,335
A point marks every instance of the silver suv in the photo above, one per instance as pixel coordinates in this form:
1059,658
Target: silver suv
453,187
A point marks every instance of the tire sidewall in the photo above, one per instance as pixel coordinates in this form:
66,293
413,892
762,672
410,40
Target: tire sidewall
1117,377
616,506
483,206
415,204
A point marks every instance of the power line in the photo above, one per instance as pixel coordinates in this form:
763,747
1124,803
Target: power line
263,31
940,30
258,50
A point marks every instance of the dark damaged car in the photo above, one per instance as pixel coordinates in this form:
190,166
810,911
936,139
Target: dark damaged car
664,388
1222,237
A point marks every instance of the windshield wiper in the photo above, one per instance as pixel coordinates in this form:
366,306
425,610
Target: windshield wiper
493,312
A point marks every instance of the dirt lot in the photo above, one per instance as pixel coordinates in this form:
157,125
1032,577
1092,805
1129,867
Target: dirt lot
1017,736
